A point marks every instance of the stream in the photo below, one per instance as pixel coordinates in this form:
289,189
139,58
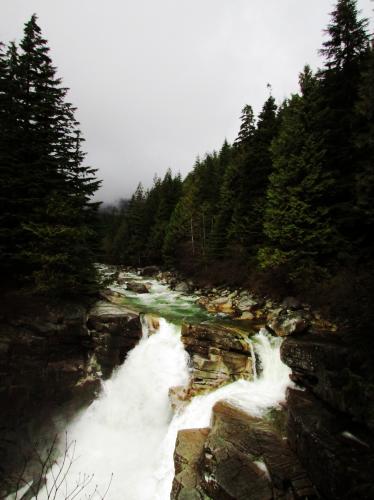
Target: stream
121,447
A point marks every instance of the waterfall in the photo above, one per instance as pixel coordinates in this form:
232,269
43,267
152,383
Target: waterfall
253,356
255,397
129,431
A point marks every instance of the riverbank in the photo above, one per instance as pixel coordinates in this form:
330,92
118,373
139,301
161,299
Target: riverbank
223,384
336,376
54,354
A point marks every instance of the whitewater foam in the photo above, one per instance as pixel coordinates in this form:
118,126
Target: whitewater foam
130,431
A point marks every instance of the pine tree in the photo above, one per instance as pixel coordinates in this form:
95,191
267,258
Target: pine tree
8,193
247,127
348,38
254,166
345,52
54,223
297,223
180,236
134,240
364,142
160,204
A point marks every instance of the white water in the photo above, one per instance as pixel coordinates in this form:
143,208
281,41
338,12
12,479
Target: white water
130,430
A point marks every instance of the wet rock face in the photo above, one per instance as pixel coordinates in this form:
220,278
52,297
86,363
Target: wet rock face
136,287
43,351
51,364
328,367
239,458
338,456
285,322
44,360
114,330
187,455
218,355
330,423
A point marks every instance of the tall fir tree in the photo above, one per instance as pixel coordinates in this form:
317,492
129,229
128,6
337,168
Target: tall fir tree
55,218
254,166
364,142
345,52
297,225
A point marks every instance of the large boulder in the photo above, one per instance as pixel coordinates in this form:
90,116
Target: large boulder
247,459
218,355
112,296
239,458
221,305
188,451
337,456
137,287
284,322
114,330
182,287
328,367
44,366
247,303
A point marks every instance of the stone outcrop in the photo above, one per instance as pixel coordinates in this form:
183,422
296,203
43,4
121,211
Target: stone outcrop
334,372
187,455
286,322
330,423
218,354
112,296
136,287
240,457
183,287
51,364
114,331
44,371
153,323
338,456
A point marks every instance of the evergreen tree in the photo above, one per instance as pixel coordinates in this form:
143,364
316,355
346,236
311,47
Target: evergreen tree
254,165
227,178
160,204
54,217
348,38
247,127
297,223
180,237
364,142
345,52
10,179
134,230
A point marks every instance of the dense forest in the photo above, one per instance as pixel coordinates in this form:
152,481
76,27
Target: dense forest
47,218
289,205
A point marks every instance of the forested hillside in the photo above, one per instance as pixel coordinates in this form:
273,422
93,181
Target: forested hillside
47,218
290,203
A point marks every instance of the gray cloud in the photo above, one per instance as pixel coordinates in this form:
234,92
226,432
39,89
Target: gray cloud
158,82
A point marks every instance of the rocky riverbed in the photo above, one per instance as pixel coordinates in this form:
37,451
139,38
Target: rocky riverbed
317,444
329,422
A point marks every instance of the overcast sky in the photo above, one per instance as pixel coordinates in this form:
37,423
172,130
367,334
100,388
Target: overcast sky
158,82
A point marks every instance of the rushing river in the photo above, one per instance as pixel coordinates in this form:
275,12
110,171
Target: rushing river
126,438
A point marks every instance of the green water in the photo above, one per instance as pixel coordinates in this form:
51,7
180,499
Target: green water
161,301
174,306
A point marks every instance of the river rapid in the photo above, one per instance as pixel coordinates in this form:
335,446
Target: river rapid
121,447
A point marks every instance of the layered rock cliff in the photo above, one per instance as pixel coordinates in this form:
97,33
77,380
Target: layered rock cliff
53,355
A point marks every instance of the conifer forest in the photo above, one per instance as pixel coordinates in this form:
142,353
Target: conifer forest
290,202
